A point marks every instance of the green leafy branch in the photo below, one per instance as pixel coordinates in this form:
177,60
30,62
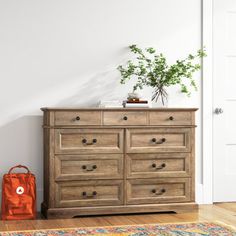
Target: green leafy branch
151,69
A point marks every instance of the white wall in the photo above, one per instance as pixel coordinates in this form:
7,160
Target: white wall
65,53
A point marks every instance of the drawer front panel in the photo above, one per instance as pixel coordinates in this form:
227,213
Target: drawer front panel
145,191
125,118
158,140
89,193
99,166
88,141
170,118
77,118
158,165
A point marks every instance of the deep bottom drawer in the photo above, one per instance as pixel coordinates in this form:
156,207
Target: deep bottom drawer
89,193
145,191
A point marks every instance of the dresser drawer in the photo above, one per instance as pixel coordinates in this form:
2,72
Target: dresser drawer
99,166
146,191
170,118
158,140
158,165
89,193
77,118
88,141
125,118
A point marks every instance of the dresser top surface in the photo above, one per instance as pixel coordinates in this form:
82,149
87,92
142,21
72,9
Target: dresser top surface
114,109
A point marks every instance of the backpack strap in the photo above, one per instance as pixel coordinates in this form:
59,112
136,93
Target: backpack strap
19,166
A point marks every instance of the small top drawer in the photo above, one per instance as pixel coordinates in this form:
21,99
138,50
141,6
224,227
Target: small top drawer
78,118
125,118
170,118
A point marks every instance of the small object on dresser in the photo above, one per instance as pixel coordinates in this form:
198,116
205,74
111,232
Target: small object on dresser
110,104
136,104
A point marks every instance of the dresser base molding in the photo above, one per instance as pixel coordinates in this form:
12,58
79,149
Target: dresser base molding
63,213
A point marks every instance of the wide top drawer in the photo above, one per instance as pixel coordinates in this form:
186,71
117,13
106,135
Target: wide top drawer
78,118
171,118
125,118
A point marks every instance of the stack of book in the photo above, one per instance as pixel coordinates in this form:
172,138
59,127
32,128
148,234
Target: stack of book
136,103
110,104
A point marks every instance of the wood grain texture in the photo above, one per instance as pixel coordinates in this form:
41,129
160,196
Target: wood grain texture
141,140
78,118
158,165
70,141
146,191
171,118
64,213
224,212
101,163
89,193
89,166
125,118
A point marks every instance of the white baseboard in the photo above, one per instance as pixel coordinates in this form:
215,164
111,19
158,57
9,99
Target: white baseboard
199,194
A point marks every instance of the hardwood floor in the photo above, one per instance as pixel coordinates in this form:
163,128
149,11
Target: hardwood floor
224,212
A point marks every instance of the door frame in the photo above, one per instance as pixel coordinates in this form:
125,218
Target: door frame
207,101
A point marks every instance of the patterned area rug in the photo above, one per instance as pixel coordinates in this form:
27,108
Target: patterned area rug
190,229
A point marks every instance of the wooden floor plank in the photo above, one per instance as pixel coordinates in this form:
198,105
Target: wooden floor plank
224,212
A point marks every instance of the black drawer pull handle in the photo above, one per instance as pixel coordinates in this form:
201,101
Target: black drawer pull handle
85,194
77,118
171,118
162,166
154,140
162,191
125,118
91,168
84,141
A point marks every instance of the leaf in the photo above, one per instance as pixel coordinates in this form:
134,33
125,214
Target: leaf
151,69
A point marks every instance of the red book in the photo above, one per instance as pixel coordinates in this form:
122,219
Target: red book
135,101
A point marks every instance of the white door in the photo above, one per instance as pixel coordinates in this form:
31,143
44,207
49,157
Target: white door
224,88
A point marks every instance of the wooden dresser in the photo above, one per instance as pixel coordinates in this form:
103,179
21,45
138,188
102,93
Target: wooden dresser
110,161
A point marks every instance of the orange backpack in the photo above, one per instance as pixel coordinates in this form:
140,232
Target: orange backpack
18,195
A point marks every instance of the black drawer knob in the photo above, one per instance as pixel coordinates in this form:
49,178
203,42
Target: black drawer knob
94,167
125,118
77,118
94,140
154,165
171,118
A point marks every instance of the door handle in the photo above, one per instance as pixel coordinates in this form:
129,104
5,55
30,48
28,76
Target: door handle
218,111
